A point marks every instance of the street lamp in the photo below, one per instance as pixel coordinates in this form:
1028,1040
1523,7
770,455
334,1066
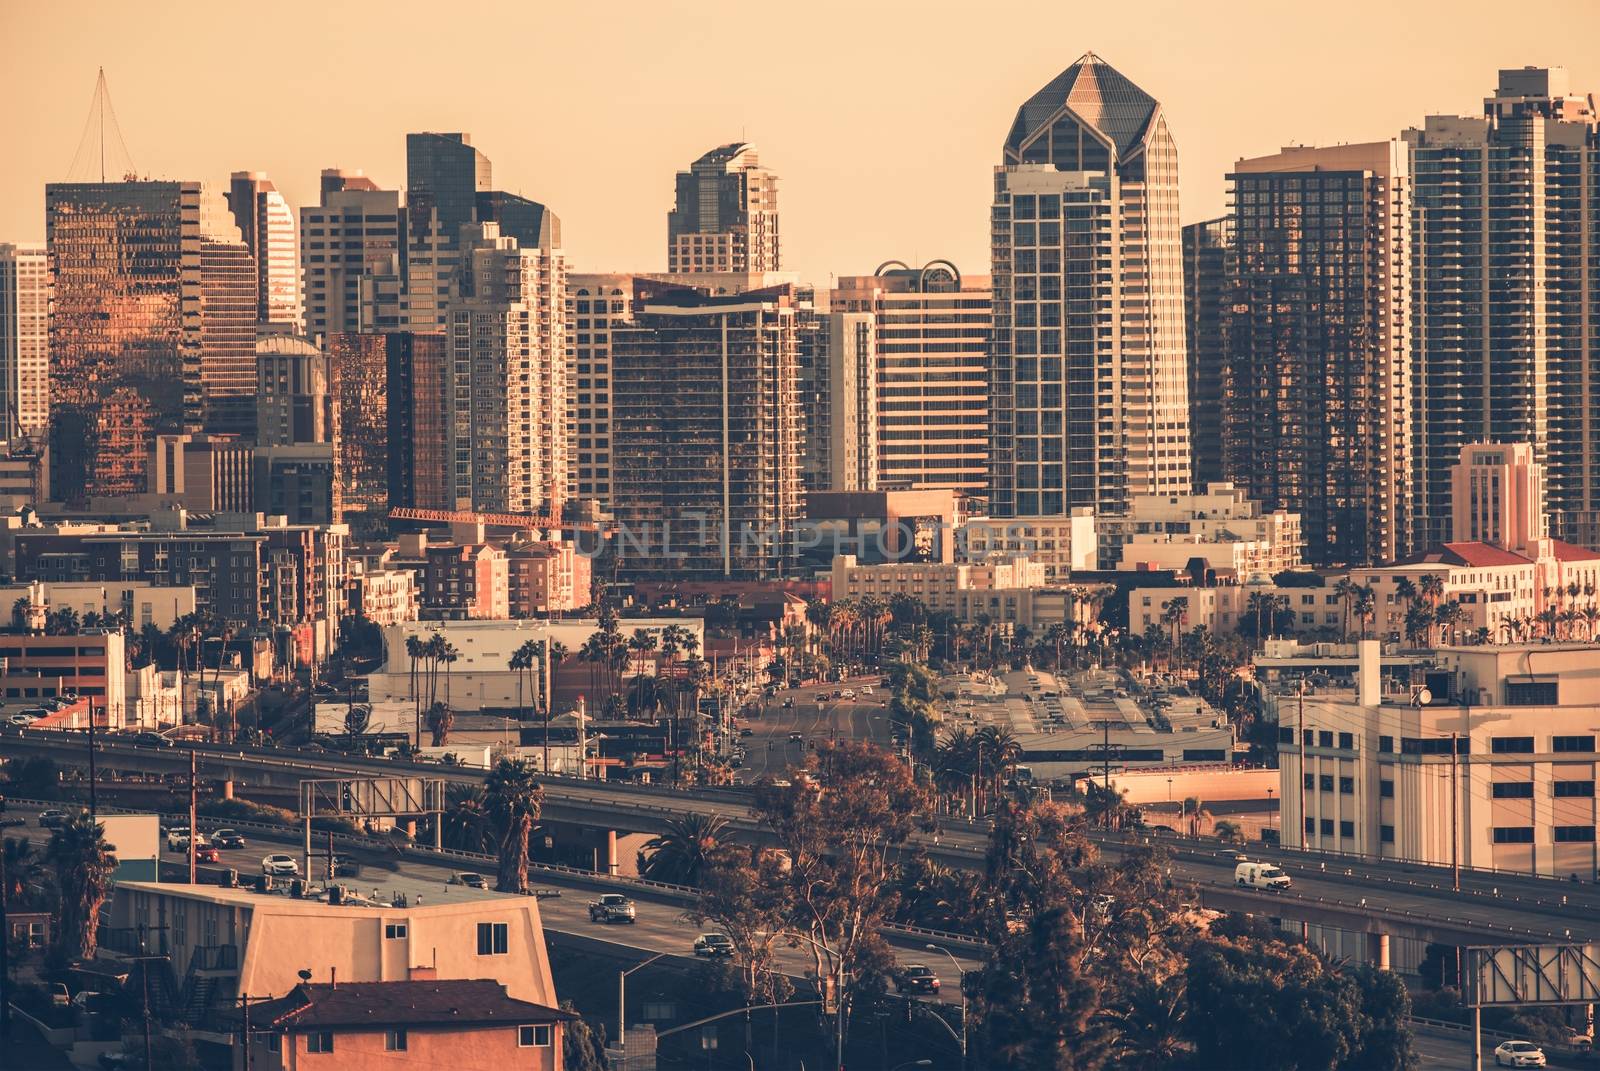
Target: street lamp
622,1005
838,990
961,981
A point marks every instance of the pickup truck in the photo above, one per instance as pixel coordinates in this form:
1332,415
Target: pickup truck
611,907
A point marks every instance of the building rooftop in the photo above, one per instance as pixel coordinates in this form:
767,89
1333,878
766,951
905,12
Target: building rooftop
1469,554
416,1003
1095,92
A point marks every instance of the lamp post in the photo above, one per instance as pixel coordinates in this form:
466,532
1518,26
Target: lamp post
961,980
622,1004
838,992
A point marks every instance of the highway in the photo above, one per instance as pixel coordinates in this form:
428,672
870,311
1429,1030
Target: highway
1408,899
815,716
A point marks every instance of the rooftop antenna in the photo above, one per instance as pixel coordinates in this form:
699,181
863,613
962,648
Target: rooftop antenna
90,159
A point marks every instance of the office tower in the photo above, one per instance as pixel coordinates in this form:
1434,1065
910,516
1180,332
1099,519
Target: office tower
293,400
726,216
932,386
1315,414
838,371
1507,344
446,171
507,367
1089,386
267,225
352,253
152,327
415,419
705,434
1207,247
1497,496
596,304
358,374
24,341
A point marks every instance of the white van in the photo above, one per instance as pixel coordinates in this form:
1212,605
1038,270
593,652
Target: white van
1260,876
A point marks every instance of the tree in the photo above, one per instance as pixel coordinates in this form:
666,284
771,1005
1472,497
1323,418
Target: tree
514,797
82,862
24,870
468,826
583,1045
441,719
1037,1006
749,898
1365,604
1149,1024
1345,589
1228,832
681,855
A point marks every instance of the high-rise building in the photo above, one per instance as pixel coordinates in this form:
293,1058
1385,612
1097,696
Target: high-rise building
152,327
1314,411
352,253
726,216
24,341
1088,373
705,434
358,374
838,370
415,419
267,225
294,403
1207,247
596,304
507,369
932,341
1507,320
447,172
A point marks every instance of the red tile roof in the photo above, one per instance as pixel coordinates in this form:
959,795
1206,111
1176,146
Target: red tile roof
1568,552
1465,554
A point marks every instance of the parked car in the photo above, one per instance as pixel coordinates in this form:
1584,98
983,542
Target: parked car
52,819
1518,1054
470,880
713,945
1261,876
612,907
228,838
21,721
1233,855
59,995
917,978
280,865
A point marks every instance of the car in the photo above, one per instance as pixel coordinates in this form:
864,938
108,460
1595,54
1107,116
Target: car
1582,1044
917,978
1232,855
1261,876
612,907
1518,1054
52,819
848,693
207,853
866,689
838,693
178,839
747,731
150,740
796,737
228,838
59,995
280,866
788,703
737,762
21,721
470,880
712,945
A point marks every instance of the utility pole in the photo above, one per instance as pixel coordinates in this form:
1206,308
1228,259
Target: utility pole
193,833
245,999
1455,819
1305,764
93,810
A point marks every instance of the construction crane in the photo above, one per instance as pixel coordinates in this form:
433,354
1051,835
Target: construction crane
488,520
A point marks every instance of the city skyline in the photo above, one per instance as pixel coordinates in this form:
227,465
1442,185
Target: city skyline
827,139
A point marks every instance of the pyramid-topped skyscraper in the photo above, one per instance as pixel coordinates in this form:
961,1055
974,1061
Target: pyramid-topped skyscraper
1088,365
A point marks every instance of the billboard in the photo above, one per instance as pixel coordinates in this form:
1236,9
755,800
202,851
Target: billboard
1508,975
136,840
371,797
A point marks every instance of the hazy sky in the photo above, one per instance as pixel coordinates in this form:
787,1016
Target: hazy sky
884,120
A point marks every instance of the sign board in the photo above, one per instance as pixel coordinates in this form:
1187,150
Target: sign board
371,797
1508,975
136,839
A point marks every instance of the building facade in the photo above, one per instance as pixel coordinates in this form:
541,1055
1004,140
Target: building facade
1207,251
1089,383
415,422
547,578
293,401
726,215
358,369
352,256
839,400
1221,524
267,224
24,341
466,582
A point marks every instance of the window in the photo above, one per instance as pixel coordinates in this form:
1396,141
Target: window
1386,789
394,931
1347,741
1347,786
1572,743
1531,693
1325,782
1325,738
1513,834
1511,745
1513,790
493,939
1327,827
1574,834
533,1037
1573,788
1347,830
1310,781
1311,826
394,1040
274,1042
1307,737
1285,736
1386,744
319,1041
1386,834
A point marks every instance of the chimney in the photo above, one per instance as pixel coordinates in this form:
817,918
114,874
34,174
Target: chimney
333,977
1369,683
422,974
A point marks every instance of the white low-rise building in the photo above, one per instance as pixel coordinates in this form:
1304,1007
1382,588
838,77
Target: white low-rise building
1370,769
1062,545
1219,525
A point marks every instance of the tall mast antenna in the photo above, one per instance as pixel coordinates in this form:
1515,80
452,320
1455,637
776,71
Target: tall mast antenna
90,159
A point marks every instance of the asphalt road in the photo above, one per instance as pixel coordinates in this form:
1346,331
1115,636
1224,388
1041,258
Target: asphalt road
816,716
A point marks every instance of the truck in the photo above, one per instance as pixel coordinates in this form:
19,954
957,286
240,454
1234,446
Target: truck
611,907
1260,876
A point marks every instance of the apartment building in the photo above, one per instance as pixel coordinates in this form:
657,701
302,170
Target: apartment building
1221,524
725,218
546,578
24,341
1062,545
468,581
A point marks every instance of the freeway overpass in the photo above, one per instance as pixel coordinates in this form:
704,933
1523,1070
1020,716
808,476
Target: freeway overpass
1371,897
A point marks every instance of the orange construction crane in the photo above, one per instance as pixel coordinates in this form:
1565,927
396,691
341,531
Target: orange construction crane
489,520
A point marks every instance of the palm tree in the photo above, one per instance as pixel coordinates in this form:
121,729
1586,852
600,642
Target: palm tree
1432,588
1344,589
468,826
513,795
23,870
683,853
1150,1027
1449,616
82,862
1173,612
441,719
1228,832
416,650
522,661
1405,590
19,613
1365,604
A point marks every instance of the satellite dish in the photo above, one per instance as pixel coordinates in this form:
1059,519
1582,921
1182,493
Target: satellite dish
1424,697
